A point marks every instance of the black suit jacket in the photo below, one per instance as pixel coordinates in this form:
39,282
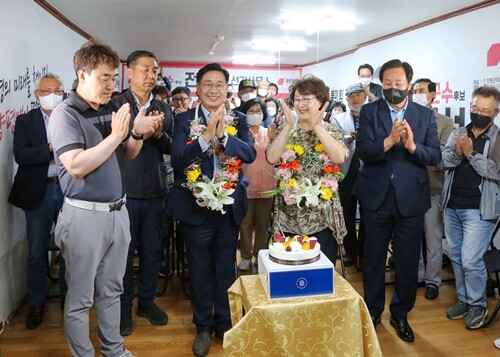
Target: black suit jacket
182,204
408,171
32,154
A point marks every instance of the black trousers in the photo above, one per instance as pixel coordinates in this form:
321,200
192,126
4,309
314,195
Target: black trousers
379,228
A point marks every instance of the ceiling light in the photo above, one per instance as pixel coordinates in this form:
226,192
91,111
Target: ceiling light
283,45
218,39
328,20
253,60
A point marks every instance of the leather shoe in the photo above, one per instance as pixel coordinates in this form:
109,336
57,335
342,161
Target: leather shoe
201,344
154,314
35,316
403,329
348,261
376,320
431,291
126,325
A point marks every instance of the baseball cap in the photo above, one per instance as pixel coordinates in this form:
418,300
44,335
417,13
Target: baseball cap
246,83
353,88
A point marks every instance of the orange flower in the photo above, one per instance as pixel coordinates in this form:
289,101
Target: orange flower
329,169
189,142
294,165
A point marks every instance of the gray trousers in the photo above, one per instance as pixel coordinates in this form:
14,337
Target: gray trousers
94,245
433,228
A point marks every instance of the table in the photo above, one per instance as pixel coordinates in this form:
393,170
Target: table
337,324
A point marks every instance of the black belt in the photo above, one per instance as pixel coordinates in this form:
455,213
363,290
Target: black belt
53,179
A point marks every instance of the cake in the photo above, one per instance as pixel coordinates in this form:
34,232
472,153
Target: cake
296,250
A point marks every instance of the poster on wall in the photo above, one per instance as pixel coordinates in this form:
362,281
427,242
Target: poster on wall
184,75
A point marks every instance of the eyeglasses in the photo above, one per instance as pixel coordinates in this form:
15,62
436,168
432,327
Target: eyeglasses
209,86
304,101
44,92
181,99
477,110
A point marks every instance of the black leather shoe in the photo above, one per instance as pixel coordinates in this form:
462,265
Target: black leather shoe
154,314
431,291
201,344
126,325
376,320
403,329
35,317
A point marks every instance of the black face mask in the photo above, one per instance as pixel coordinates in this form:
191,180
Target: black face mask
229,95
479,120
394,95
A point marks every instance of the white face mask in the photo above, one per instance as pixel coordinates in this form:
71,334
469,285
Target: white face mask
255,119
248,96
271,112
336,111
420,98
365,80
49,102
262,92
160,83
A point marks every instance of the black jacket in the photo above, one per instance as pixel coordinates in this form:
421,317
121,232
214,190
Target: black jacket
146,175
31,151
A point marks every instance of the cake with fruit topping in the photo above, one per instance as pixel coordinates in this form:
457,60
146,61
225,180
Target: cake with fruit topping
295,250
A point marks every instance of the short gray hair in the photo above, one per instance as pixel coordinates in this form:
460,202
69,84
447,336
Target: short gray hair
48,75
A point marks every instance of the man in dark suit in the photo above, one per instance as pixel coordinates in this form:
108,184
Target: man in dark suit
37,192
201,142
397,139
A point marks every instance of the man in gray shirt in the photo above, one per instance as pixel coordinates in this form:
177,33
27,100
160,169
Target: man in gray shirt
93,229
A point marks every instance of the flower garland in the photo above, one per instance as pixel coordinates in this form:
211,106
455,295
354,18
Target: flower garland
293,184
216,192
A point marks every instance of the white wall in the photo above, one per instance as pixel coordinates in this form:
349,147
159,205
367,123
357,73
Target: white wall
33,42
452,51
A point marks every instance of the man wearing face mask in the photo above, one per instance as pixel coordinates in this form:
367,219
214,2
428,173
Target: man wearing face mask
246,90
424,93
397,139
373,90
471,204
37,192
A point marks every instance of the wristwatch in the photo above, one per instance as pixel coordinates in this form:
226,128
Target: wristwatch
135,136
222,138
472,154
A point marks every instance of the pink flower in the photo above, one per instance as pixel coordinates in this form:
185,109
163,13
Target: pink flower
288,154
332,184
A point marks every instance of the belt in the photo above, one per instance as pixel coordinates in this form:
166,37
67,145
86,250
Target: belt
53,179
96,206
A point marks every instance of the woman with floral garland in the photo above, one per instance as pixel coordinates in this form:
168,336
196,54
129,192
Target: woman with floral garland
308,153
260,177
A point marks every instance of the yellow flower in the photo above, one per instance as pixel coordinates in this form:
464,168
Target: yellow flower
292,183
298,149
232,130
282,184
192,175
326,193
319,148
289,146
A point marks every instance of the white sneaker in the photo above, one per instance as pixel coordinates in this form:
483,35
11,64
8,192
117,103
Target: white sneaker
245,265
126,353
497,343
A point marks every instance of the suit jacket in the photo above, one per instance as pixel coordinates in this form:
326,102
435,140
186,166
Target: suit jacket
407,171
182,204
32,154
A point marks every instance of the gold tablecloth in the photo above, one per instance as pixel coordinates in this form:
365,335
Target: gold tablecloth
325,325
